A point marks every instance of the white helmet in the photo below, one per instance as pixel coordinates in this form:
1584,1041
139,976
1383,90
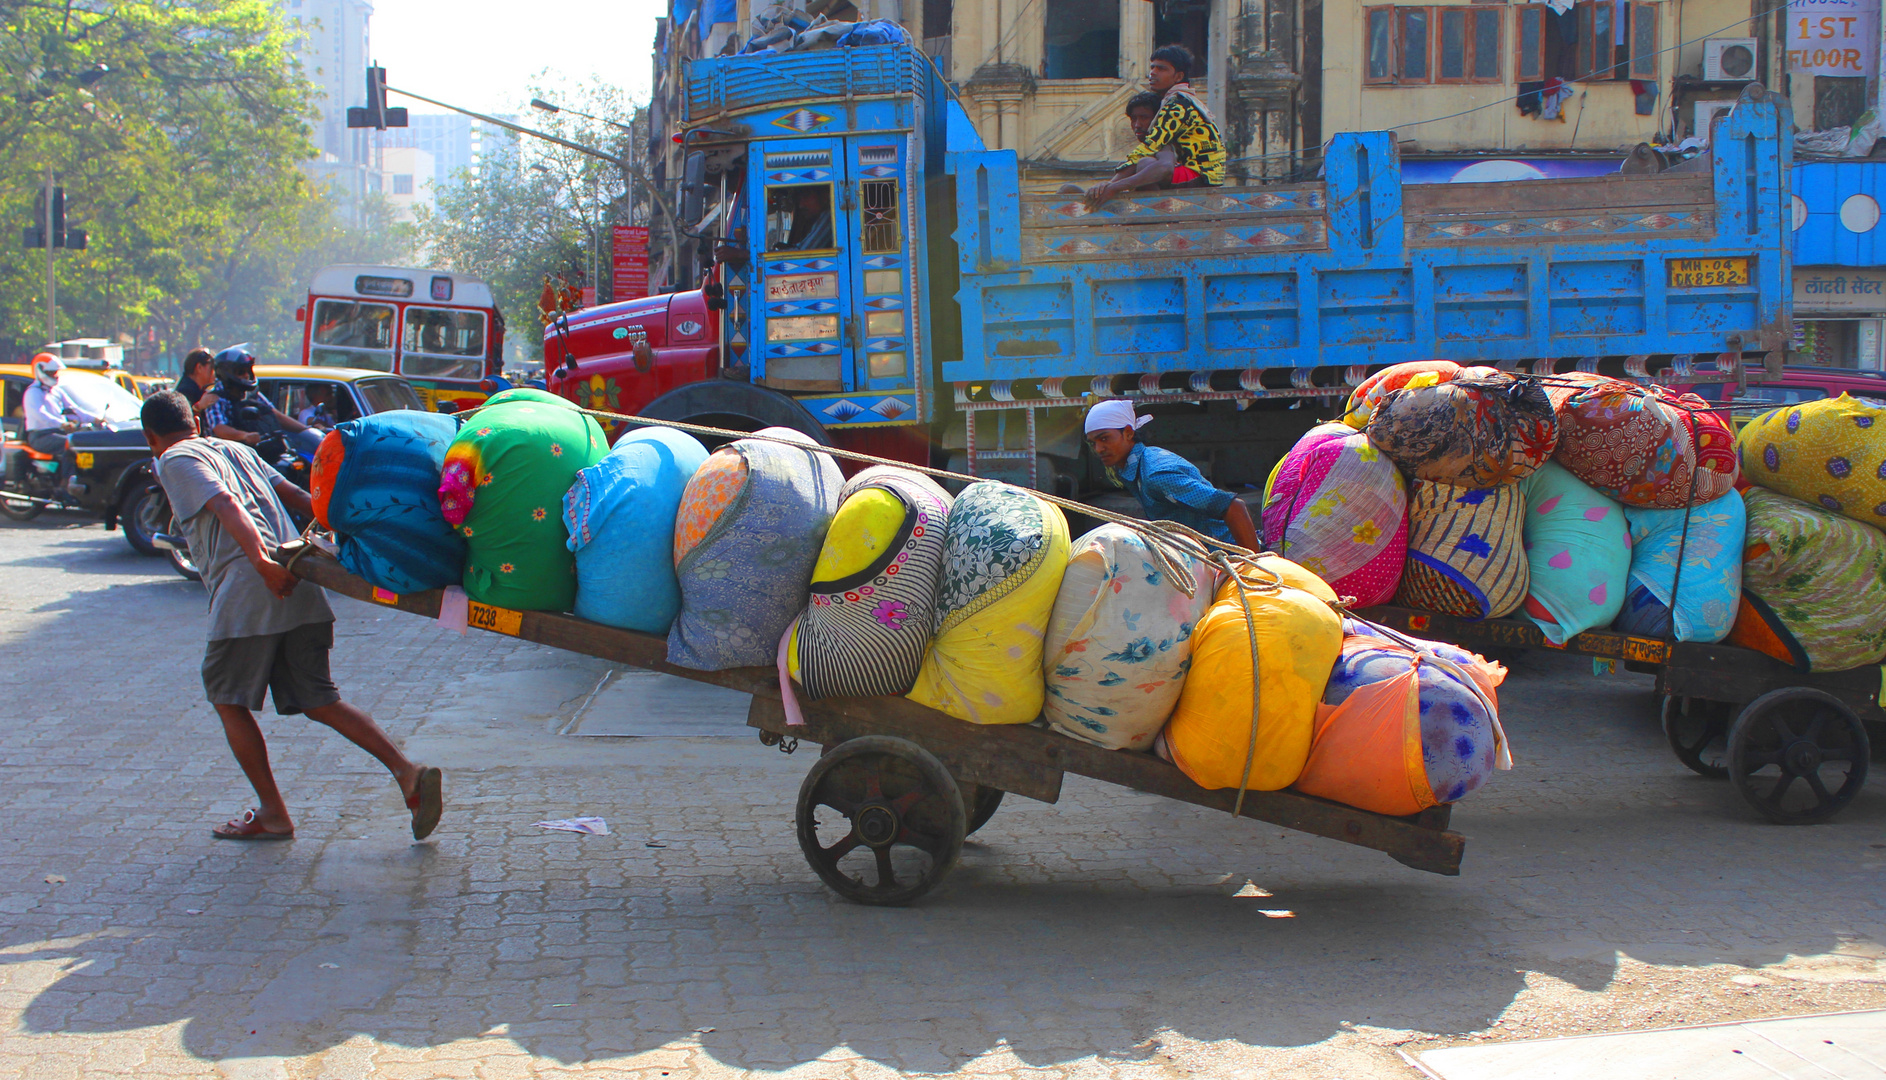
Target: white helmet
46,368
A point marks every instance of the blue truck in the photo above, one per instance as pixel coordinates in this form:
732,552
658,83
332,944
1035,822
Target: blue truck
884,281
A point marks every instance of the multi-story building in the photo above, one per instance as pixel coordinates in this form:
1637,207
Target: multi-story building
331,44
454,143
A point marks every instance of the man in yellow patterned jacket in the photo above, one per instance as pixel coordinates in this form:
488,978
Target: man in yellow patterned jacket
1183,125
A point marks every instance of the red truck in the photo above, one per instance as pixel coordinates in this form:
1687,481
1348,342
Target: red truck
662,357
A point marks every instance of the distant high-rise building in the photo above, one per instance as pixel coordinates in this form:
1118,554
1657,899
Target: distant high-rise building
332,45
456,143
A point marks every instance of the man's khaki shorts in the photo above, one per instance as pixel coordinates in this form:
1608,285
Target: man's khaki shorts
239,671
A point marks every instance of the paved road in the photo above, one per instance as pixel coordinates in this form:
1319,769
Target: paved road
1111,935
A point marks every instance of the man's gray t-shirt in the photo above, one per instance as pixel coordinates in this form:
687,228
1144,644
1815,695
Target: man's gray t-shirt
195,471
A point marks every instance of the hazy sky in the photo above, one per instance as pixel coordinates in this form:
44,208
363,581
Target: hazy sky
482,55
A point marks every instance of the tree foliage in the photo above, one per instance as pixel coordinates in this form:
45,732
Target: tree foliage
176,128
536,209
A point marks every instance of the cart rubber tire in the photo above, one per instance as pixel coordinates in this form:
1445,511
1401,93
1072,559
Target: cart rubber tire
890,793
1698,732
979,805
1788,735
21,510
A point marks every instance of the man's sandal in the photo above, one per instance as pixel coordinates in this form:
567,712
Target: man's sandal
427,802
247,827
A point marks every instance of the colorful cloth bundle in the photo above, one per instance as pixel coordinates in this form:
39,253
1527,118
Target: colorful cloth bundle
1813,586
1465,553
1830,452
1365,398
1004,556
503,484
1710,589
1337,507
1578,554
748,532
873,593
1635,444
1299,637
620,514
1403,728
376,484
1482,429
1119,640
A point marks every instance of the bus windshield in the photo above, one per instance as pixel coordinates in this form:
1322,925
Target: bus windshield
443,343
350,333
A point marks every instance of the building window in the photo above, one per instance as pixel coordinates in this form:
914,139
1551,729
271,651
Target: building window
1416,46
1187,23
1082,40
402,183
1586,43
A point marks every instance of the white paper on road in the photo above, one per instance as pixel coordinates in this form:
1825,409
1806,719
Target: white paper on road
588,826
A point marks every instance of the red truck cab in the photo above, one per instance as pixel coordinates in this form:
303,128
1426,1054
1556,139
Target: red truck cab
619,357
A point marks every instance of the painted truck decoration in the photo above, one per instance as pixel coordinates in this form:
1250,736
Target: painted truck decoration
943,283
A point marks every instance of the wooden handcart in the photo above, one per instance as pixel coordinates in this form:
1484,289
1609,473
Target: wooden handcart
882,814
1795,743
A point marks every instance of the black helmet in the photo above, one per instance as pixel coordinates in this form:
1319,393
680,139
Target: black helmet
236,366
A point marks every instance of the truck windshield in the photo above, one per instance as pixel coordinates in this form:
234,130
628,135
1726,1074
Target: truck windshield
349,333
443,343
799,218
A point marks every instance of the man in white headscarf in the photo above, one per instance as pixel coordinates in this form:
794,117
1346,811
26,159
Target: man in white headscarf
1168,487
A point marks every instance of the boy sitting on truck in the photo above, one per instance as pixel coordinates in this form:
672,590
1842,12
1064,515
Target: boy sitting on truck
1168,487
1183,124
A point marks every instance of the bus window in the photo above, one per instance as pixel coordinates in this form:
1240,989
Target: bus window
441,343
348,333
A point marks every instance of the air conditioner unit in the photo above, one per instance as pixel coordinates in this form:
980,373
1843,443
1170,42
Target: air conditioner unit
1729,59
1705,114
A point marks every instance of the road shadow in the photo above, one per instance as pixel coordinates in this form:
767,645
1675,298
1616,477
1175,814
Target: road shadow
1079,929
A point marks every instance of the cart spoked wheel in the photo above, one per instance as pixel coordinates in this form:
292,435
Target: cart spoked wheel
1698,731
1798,755
880,820
979,805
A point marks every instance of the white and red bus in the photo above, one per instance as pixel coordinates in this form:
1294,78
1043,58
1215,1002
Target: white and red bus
440,330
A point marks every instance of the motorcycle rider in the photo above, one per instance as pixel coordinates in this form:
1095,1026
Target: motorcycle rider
51,411
242,413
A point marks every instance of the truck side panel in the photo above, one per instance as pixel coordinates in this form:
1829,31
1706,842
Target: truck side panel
1359,270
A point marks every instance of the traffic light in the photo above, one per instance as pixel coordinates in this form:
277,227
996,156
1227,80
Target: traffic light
376,114
62,237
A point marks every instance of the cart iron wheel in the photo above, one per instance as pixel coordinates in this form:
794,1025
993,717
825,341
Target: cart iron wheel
893,820
1798,755
1698,731
979,804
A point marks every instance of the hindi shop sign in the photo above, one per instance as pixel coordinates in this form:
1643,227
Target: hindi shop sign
1833,37
629,261
1839,290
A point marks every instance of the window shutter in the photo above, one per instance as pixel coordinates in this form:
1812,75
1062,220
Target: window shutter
1451,59
1529,46
1414,45
1378,28
1486,44
1644,41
